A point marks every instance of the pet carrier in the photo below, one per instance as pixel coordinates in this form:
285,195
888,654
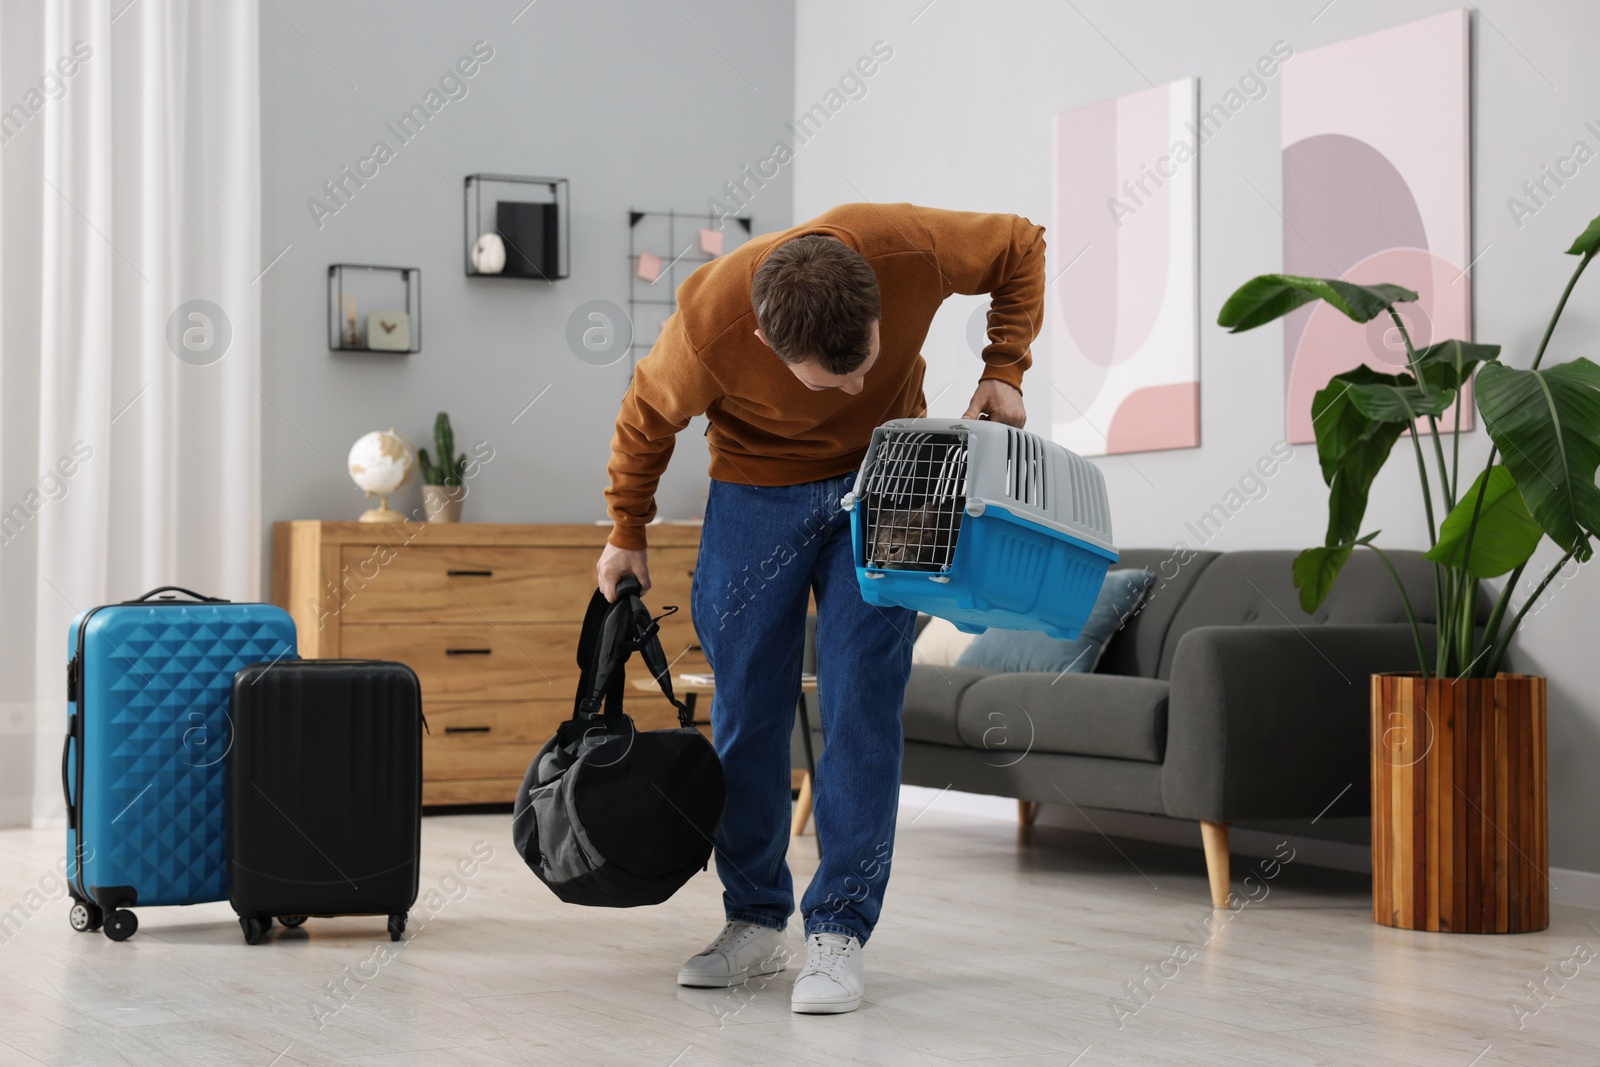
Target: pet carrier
981,524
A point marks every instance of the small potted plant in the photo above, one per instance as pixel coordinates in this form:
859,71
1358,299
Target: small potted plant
1459,816
444,486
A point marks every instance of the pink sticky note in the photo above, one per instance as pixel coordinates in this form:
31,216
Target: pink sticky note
711,242
649,268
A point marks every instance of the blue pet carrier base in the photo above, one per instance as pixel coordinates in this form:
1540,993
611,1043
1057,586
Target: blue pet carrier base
980,524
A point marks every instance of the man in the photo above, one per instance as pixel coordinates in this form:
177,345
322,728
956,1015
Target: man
796,346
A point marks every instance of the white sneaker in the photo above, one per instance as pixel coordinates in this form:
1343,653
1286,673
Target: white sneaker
831,982
741,952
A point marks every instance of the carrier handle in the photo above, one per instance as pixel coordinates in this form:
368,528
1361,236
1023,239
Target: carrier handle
202,598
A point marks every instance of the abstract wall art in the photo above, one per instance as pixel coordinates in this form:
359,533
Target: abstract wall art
1375,189
1122,293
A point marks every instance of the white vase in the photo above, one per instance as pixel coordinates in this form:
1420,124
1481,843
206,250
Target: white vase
443,502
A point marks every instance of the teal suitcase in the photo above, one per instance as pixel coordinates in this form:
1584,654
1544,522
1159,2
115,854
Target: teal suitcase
148,734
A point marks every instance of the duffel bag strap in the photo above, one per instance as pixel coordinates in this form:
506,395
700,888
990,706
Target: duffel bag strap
600,659
612,632
655,658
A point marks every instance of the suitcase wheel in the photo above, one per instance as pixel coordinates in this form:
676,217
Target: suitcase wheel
86,916
255,928
292,921
121,924
397,925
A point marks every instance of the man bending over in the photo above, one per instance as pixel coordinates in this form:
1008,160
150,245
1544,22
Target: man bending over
796,345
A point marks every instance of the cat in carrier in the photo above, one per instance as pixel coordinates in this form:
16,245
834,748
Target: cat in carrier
914,538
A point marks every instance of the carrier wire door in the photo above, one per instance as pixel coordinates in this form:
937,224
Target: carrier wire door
915,495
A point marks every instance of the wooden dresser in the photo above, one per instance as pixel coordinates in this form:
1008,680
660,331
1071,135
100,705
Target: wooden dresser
488,616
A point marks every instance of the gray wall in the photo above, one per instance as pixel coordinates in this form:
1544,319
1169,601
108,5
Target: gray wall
640,104
960,118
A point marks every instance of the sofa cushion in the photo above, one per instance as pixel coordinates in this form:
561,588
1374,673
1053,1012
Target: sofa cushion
1010,715
1257,589
1025,650
932,695
1136,648
939,642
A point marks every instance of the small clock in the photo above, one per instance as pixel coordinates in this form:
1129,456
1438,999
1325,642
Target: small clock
389,331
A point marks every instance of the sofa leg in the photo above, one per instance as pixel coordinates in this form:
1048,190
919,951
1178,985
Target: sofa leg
1214,835
1027,811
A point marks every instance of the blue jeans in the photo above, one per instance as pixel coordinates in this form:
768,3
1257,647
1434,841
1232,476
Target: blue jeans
763,552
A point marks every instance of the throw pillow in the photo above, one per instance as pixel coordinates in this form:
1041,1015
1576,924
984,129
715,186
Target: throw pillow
940,644
1025,650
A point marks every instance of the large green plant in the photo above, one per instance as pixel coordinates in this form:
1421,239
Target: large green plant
1539,480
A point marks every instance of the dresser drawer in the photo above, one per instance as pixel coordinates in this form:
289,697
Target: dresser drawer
517,662
441,792
671,574
500,740
487,740
482,662
419,583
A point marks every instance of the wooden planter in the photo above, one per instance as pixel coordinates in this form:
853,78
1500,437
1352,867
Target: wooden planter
1460,826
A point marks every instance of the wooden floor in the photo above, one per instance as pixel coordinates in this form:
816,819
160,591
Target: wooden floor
991,950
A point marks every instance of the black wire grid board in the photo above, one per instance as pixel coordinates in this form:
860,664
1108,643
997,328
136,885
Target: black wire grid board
674,236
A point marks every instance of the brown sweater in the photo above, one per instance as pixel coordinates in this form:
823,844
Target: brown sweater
766,427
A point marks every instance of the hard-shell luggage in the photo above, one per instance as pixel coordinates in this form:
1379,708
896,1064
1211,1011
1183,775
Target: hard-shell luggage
148,734
324,792
608,815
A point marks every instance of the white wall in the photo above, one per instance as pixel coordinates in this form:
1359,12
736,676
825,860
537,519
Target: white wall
645,105
960,118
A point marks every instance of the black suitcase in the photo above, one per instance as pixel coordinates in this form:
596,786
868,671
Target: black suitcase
324,792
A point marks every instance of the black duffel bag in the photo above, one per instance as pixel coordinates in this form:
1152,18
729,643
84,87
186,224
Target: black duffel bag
610,816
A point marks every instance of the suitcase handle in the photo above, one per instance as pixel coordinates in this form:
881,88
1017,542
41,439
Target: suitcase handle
158,590
66,787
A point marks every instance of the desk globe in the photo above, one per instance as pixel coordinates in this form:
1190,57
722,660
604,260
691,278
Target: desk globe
381,464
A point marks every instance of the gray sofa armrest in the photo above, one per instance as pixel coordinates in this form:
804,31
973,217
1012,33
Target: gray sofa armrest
1273,721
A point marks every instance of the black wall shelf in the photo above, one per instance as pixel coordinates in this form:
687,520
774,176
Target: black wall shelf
530,215
357,291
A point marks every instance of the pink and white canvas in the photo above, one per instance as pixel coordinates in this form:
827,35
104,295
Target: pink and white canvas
1123,295
1375,189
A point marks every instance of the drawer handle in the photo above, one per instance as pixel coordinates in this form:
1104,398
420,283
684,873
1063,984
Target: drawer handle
469,574
466,729
468,651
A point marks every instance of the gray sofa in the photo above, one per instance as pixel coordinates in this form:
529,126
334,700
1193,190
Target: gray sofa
1220,700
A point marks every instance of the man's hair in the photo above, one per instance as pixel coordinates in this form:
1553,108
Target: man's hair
815,300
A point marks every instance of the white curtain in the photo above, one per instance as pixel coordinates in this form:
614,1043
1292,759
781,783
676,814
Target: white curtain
149,201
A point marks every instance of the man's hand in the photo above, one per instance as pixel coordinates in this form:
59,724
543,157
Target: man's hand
614,563
999,401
